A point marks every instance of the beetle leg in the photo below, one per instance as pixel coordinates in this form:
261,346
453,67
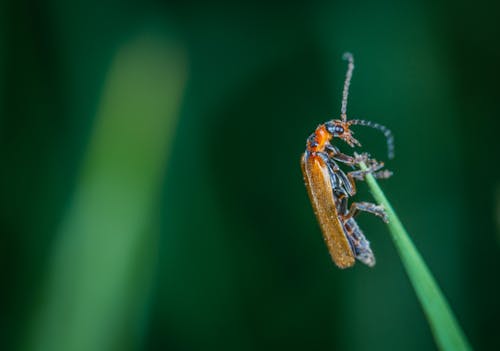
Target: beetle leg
341,203
334,152
372,168
377,210
348,182
383,174
360,175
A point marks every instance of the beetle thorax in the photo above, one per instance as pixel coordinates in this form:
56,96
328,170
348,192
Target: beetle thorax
318,139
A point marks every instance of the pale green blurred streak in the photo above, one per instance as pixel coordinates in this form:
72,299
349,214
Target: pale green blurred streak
3,54
103,259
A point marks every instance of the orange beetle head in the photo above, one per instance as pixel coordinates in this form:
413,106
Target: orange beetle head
340,129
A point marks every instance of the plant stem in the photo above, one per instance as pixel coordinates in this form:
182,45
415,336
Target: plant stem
445,328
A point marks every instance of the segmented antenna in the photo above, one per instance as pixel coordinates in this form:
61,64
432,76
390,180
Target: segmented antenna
350,67
383,129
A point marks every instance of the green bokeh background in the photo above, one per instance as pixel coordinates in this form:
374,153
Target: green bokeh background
151,189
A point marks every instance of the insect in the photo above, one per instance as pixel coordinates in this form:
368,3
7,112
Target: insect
329,187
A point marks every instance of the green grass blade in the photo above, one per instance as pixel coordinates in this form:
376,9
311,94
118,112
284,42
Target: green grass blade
444,326
103,260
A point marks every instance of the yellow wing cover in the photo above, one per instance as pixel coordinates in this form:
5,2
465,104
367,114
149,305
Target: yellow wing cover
317,180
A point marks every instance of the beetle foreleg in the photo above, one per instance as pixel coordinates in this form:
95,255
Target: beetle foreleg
373,168
333,152
336,154
383,174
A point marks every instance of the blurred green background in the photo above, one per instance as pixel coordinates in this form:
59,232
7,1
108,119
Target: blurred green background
152,197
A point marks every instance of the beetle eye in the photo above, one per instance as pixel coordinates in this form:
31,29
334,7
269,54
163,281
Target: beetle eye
339,130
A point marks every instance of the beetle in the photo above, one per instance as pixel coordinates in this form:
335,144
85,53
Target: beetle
329,187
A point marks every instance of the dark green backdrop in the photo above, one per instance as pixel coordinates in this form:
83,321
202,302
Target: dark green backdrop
151,189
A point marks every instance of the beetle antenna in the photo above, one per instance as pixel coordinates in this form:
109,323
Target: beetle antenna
383,129
345,93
